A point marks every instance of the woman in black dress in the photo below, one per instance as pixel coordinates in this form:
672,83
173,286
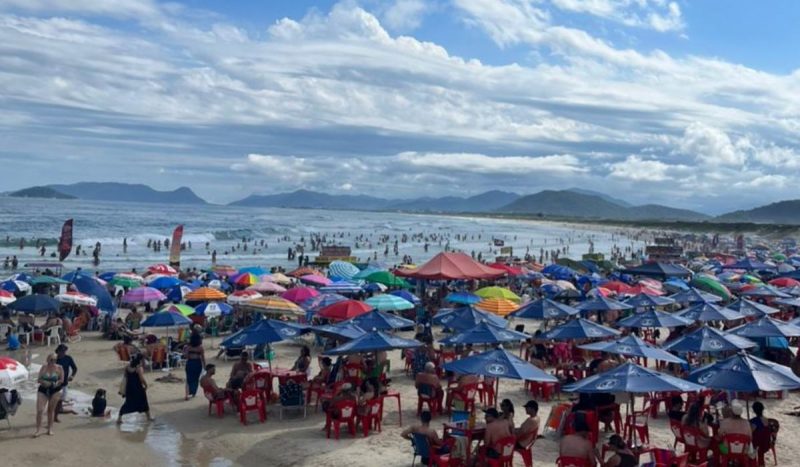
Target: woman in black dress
135,390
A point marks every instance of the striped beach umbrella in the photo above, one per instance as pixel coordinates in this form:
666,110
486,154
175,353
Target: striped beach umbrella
245,279
164,269
274,305
243,296
204,294
213,309
76,298
389,303
15,286
341,287
497,306
342,270
6,297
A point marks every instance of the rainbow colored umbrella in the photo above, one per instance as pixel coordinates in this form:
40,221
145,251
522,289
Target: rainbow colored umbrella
497,292
245,279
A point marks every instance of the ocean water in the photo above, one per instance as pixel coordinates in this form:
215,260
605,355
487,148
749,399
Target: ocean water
224,228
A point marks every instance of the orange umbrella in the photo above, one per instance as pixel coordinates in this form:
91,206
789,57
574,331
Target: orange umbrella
498,306
204,294
304,271
274,305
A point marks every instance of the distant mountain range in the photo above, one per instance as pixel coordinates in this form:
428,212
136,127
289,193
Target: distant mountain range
572,203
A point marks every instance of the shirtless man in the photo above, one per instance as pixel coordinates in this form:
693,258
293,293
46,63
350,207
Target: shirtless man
210,386
496,429
734,424
578,445
526,433
240,371
429,378
424,428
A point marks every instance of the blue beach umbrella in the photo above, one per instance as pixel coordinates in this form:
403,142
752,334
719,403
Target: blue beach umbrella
374,342
745,373
345,330
212,309
632,378
464,318
643,300
165,282
107,276
545,308
601,303
255,270
709,312
20,276
766,327
676,285
381,321
89,285
709,340
387,302
747,264
499,363
163,319
653,319
342,287
263,332
579,329
406,295
462,298
765,291
632,346
748,308
36,304
342,270
694,296
15,286
484,333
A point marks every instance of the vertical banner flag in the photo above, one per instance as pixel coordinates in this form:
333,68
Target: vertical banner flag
175,248
65,242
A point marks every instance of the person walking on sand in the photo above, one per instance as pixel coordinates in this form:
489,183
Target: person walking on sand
135,392
195,361
51,378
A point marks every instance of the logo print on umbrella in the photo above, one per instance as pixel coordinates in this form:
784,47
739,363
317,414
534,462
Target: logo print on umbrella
706,377
496,369
593,333
607,384
714,344
647,322
288,332
506,335
625,349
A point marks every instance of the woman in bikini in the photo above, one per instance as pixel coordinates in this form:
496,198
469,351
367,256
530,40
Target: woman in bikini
51,379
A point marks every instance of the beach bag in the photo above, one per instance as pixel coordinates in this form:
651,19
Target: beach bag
123,384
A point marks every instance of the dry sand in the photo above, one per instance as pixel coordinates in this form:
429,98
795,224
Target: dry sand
183,433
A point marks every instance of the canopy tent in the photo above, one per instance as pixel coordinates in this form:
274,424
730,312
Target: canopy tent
659,270
451,266
710,340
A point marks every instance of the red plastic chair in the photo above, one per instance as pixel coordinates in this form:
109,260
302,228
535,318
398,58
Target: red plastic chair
527,452
346,413
431,400
677,430
591,420
328,394
251,400
566,461
218,403
738,450
617,416
408,360
465,395
636,422
373,417
395,395
691,437
505,447
487,393
353,373
260,381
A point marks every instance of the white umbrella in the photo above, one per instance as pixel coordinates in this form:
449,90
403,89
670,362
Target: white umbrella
12,372
76,298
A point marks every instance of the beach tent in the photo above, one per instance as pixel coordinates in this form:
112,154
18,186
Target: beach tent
451,266
658,270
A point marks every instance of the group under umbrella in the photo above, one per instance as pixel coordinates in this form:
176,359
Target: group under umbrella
499,363
265,331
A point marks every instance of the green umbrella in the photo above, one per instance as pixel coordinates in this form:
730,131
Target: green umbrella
185,310
49,280
124,281
779,257
388,302
710,285
388,279
497,292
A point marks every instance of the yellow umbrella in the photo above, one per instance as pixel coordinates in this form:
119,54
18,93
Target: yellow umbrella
498,306
204,294
274,305
278,278
497,292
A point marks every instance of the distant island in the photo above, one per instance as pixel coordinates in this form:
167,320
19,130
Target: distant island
572,203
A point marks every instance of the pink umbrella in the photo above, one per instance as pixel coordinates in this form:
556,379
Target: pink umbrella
267,287
143,295
162,269
316,279
299,294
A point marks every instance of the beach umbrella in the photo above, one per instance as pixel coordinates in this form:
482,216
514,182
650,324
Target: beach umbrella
381,321
709,312
364,273
255,270
321,301
766,327
497,306
12,373
274,305
765,291
484,333
341,287
243,296
389,303
708,339
184,310
267,287
342,269
166,319
601,303
143,295
106,276
461,319
245,279
277,278
644,300
634,379
165,269
374,287
343,330
224,270
88,284
15,286
6,297
463,298
694,295
36,304
176,294
125,281
204,294
406,295
675,285
218,284
265,331
712,286
213,309
47,280
316,279
164,282
498,292
345,309
545,308
653,319
76,298
299,294
388,279
784,282
499,363
747,264
20,276
745,373
748,308
793,291
632,346
375,341
620,288
579,329
302,271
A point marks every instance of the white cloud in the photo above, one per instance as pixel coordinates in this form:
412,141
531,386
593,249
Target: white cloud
658,15
483,164
405,15
710,145
640,170
287,169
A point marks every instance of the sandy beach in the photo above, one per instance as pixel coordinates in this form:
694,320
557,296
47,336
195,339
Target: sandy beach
183,433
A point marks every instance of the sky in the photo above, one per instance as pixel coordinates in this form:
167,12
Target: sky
655,101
